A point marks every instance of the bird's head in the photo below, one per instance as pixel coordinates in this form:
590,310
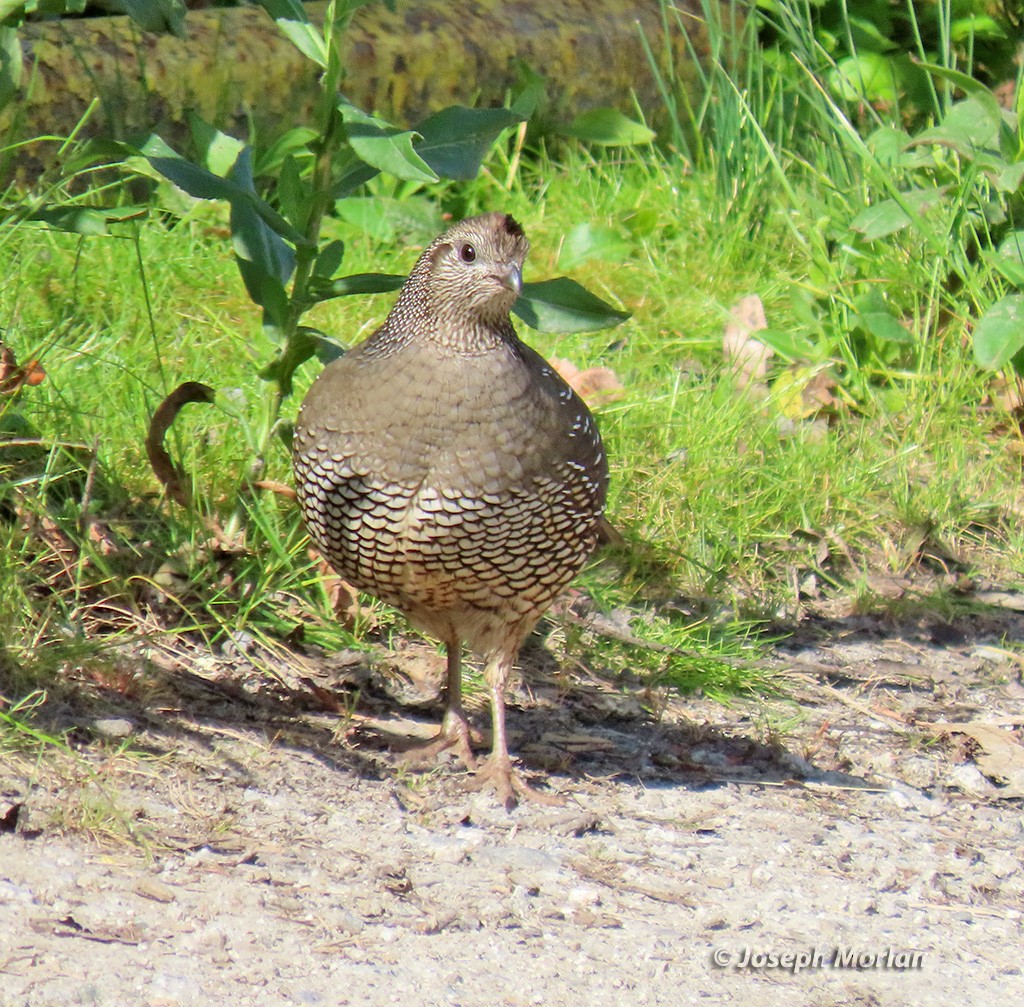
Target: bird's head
473,273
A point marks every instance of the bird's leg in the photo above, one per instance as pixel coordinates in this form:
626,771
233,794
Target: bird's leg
497,770
455,732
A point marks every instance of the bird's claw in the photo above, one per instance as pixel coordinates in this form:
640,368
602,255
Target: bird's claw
455,734
497,773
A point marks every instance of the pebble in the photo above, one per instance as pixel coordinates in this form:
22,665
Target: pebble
113,728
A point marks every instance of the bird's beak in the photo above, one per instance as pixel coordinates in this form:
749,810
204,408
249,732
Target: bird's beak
512,278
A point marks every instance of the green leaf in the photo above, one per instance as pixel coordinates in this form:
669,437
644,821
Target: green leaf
1009,259
592,241
292,19
969,126
888,143
202,184
157,15
265,261
975,26
9,8
10,63
977,91
329,259
562,305
792,346
84,219
1009,180
456,140
292,193
999,334
889,216
296,142
359,283
384,146
1011,269
874,316
868,76
531,92
608,127
219,151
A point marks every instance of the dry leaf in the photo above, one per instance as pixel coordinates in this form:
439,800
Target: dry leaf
748,357
805,392
999,755
12,377
343,597
595,385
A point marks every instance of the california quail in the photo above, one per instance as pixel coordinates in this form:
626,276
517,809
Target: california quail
445,468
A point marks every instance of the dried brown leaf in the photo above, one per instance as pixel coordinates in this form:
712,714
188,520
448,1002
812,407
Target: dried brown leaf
343,597
748,357
999,755
13,376
595,385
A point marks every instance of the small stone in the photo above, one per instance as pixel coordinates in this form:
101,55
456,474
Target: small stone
113,728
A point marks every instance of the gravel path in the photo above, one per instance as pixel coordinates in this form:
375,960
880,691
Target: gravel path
284,860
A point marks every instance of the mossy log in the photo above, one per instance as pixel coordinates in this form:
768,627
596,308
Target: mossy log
235,68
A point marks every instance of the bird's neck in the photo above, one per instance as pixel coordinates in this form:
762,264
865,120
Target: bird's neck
416,317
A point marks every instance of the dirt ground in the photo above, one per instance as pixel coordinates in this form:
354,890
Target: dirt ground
837,847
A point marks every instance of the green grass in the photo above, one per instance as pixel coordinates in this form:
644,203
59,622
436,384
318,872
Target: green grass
725,500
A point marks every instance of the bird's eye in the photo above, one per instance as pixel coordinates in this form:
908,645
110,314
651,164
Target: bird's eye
467,253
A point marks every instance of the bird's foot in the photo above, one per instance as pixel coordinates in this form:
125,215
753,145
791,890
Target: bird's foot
497,772
455,734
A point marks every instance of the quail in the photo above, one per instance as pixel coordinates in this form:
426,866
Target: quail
444,467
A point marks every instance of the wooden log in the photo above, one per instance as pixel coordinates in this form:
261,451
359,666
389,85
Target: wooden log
235,69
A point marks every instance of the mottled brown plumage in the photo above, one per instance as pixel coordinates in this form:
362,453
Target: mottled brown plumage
445,468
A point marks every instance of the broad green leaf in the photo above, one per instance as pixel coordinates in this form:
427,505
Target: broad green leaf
329,259
1010,179
202,184
296,142
608,127
1009,259
792,346
969,86
219,150
868,76
974,26
562,305
353,175
969,126
888,144
874,316
456,140
871,33
999,334
592,241
359,283
888,216
292,19
384,146
265,261
292,193
531,91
